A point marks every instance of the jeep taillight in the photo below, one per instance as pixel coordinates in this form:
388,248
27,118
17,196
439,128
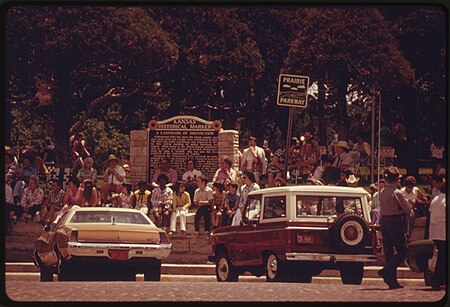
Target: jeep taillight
74,236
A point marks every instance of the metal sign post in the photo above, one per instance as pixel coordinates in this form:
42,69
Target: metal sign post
292,92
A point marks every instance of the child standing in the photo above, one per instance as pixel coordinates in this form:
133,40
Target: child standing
219,202
231,202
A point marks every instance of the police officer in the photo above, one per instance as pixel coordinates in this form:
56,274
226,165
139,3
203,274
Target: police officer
394,209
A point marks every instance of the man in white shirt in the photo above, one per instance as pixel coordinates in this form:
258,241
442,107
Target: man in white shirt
253,158
438,235
343,159
113,179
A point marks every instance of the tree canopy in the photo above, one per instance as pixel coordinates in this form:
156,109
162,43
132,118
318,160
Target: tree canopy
223,63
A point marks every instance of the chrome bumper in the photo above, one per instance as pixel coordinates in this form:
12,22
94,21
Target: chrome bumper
330,257
157,251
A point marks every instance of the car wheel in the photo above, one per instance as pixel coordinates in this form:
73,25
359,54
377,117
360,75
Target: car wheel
349,232
352,273
273,268
67,273
45,274
153,273
225,271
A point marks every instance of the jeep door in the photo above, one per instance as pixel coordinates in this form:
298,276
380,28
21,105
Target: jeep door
242,250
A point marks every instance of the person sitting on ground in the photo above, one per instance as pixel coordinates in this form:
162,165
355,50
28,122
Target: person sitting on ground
52,203
113,179
181,204
88,171
32,199
231,204
190,176
319,173
218,204
203,199
164,168
225,173
89,194
141,199
162,201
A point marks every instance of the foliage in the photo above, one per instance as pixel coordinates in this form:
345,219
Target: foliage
350,50
103,139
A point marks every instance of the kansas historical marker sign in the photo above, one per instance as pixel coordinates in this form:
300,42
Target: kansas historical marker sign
182,137
293,91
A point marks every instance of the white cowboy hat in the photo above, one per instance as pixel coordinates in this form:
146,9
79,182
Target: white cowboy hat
342,144
352,179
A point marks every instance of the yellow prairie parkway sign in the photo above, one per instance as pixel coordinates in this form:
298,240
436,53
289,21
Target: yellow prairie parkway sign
293,91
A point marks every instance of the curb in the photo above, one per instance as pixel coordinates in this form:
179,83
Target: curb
209,270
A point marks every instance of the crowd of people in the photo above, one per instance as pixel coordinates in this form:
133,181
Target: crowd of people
220,200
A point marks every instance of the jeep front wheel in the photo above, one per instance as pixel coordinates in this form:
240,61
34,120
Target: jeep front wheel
225,271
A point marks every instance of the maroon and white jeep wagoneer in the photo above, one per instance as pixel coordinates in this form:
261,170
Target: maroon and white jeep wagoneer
293,233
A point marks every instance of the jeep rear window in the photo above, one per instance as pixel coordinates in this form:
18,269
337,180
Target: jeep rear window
327,206
274,207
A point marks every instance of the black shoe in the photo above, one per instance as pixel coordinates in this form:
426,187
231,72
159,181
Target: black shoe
395,286
382,273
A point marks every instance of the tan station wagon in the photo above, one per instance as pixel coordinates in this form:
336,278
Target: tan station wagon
293,233
102,244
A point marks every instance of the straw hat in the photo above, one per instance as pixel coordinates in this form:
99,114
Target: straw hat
342,144
112,157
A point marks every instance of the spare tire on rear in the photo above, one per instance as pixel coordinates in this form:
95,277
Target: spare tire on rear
349,232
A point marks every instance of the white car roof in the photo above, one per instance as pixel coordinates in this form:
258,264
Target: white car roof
77,208
311,189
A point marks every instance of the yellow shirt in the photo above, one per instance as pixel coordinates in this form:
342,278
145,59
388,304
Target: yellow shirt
142,199
181,200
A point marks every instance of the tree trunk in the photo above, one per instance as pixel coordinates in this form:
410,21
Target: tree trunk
342,117
61,99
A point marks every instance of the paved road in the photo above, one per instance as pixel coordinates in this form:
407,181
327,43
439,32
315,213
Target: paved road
24,287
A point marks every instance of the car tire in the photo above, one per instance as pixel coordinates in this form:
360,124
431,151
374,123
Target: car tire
153,273
225,271
349,232
67,273
46,274
352,273
273,268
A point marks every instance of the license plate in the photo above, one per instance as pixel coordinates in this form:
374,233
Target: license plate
305,239
118,255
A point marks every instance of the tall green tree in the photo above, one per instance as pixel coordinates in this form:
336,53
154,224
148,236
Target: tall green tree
92,55
349,49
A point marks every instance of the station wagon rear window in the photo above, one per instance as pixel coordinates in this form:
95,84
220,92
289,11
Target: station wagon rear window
109,217
327,206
